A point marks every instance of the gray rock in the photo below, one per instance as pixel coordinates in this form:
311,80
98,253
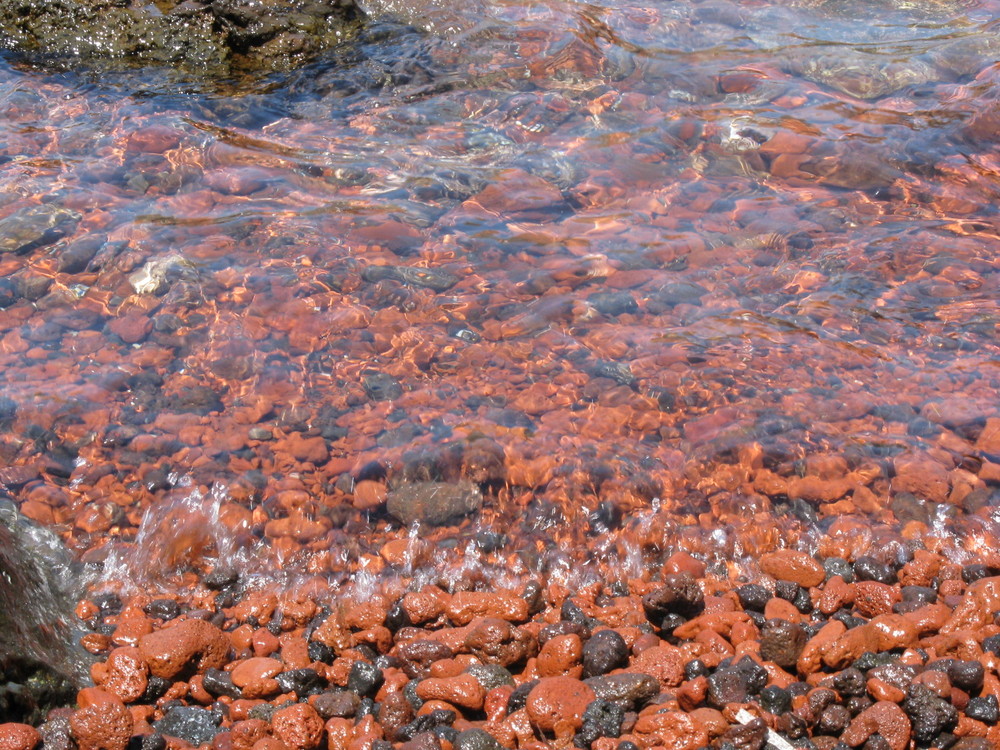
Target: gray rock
190,723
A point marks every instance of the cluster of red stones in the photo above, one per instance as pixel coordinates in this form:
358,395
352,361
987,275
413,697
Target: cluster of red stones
823,653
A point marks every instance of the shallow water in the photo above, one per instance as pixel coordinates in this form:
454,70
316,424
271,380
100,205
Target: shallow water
681,275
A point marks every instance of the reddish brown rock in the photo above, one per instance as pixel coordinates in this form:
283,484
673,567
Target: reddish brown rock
246,732
664,662
101,723
671,730
872,598
188,646
884,717
848,647
462,690
976,609
895,631
922,475
465,606
255,676
791,565
298,726
126,674
556,699
561,656
15,736
498,642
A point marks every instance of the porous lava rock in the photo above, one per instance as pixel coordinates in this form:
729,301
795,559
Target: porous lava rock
102,722
556,700
15,736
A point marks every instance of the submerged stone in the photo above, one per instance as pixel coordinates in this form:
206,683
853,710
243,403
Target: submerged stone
434,503
35,226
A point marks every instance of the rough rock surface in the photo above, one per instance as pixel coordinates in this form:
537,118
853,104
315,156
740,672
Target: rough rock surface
200,36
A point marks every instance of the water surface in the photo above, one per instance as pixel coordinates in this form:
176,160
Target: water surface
694,275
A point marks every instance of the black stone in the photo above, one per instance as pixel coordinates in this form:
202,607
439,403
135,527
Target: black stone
302,682
218,682
850,620
984,708
571,612
220,578
475,739
190,723
381,386
929,715
919,594
491,675
992,644
966,675
395,618
850,682
753,596
727,685
336,704
976,571
696,668
775,700
679,595
749,736
613,303
426,723
867,568
833,720
601,719
155,688
367,707
787,590
364,679
165,609
519,698
838,566
319,651
604,651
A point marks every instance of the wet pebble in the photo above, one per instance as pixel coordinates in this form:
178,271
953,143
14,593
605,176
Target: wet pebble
604,651
782,642
190,723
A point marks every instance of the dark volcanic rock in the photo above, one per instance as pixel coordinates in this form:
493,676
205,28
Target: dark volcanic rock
197,35
195,725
